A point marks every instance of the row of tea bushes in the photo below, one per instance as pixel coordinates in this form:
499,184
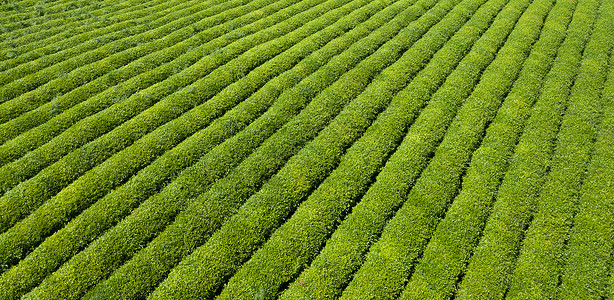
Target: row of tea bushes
590,243
117,85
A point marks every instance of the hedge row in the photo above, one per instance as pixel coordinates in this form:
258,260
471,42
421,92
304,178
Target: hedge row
92,185
46,11
202,273
332,268
97,95
590,245
301,129
66,33
98,218
391,260
446,255
19,201
489,269
71,70
542,256
300,238
137,277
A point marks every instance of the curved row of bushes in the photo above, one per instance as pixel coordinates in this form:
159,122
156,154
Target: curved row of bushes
590,244
29,10
248,176
71,68
50,26
301,149
278,261
149,266
21,7
23,79
217,104
36,12
152,209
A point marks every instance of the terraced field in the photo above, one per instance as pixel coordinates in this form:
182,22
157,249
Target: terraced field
307,149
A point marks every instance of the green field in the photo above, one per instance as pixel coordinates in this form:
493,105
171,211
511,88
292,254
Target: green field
307,149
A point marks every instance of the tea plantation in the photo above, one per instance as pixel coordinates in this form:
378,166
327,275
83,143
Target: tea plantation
307,149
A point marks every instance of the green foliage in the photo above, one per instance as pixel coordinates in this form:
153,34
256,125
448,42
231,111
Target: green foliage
277,261
344,251
489,270
148,267
29,90
306,149
63,32
390,261
263,212
585,275
136,76
542,257
133,117
447,252
265,52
